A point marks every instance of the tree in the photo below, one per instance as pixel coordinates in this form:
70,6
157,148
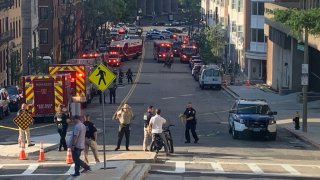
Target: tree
302,23
212,43
15,66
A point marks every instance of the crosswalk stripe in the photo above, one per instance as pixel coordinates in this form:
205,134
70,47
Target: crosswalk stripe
180,167
290,169
71,170
30,169
255,169
217,167
1,166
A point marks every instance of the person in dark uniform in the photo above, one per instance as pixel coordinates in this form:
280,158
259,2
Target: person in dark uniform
60,119
147,133
91,139
112,92
120,76
296,121
191,123
129,76
100,96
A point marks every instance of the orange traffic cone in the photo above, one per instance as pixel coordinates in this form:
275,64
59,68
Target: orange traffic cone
69,157
22,155
41,155
248,83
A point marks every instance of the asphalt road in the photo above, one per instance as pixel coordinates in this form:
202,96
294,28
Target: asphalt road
216,155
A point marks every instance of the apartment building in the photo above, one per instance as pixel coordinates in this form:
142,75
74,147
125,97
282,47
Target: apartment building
10,41
49,29
30,39
285,53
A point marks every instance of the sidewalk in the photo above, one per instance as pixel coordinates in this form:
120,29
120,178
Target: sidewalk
286,106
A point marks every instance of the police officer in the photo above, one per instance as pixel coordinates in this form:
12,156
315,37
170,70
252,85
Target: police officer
147,133
112,92
191,123
120,76
100,96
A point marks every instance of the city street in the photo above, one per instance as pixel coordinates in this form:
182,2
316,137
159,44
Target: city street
216,155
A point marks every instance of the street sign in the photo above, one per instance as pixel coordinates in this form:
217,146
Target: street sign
23,120
102,77
305,68
304,80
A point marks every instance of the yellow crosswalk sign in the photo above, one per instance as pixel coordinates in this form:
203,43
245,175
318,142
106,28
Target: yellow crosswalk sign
102,77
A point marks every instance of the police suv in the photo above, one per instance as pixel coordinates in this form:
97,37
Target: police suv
252,116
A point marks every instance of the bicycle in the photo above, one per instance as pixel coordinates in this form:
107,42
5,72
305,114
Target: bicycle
157,144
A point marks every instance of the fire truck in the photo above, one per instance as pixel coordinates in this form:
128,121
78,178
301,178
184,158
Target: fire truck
44,93
187,52
162,51
126,49
81,87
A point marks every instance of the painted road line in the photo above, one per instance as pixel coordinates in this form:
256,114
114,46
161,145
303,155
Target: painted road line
180,167
290,169
254,168
168,98
30,169
184,95
1,166
217,167
70,171
11,128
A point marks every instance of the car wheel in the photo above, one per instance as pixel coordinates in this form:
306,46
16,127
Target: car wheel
273,136
202,87
235,134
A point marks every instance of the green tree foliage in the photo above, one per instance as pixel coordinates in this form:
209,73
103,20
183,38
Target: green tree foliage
15,65
299,20
212,43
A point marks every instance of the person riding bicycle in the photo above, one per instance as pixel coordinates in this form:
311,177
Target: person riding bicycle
168,61
156,123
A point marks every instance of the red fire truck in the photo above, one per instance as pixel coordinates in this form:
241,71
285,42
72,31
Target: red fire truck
81,87
127,49
187,52
162,51
44,93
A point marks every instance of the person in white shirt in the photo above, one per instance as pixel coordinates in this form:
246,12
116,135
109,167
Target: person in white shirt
155,124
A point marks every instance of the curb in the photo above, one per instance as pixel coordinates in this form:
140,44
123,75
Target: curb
302,137
230,92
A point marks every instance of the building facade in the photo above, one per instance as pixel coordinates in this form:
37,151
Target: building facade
285,53
49,29
30,40
157,7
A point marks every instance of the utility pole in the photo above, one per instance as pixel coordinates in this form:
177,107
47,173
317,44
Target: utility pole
305,81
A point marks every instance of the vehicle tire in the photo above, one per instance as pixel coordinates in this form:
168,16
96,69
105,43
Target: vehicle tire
202,87
230,129
170,144
1,113
7,112
235,134
273,137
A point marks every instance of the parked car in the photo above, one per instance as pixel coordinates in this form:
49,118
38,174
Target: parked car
210,76
252,116
166,34
158,23
174,30
4,103
15,98
195,70
196,61
155,35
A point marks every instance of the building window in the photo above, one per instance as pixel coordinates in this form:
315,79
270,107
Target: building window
43,36
234,26
240,31
43,12
240,5
0,61
234,4
19,28
257,8
257,35
222,3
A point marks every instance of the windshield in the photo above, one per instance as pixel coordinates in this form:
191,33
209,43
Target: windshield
212,72
164,48
253,109
12,91
188,50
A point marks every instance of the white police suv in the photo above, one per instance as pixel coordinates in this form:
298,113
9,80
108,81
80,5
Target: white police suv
252,117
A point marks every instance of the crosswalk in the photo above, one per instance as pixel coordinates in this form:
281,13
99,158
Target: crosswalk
219,167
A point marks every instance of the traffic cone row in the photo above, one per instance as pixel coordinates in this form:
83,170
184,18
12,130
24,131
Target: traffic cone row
41,154
69,157
22,154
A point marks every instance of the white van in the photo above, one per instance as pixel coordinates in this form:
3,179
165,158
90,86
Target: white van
210,76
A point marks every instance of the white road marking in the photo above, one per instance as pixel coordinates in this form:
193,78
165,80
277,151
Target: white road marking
168,98
1,166
290,169
18,175
186,95
255,169
70,171
180,167
30,169
217,167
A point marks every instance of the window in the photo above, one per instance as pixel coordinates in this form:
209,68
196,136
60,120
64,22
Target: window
222,2
234,26
43,36
43,12
19,28
257,35
257,8
240,31
0,61
233,6
240,5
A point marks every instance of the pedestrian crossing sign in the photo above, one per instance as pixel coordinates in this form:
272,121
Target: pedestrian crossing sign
23,120
102,77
